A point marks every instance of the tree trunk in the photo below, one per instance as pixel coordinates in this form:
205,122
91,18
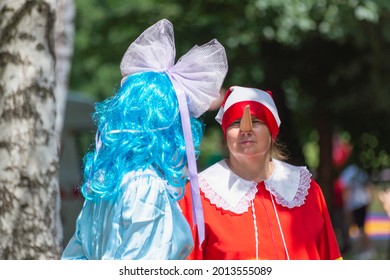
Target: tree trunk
325,169
29,188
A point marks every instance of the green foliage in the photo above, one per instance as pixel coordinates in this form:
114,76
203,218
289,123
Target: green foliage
104,30
322,58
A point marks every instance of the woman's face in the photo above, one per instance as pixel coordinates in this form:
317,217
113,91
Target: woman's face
249,144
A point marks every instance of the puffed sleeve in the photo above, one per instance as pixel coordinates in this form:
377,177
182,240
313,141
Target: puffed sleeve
147,220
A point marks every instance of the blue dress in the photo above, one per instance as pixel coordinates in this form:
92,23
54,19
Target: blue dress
144,222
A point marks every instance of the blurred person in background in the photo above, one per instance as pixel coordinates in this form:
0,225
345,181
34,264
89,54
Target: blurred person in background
384,197
339,217
357,192
257,206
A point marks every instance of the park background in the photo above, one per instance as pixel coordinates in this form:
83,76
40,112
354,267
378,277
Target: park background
326,62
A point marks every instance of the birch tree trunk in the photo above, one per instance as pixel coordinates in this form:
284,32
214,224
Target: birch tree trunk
29,146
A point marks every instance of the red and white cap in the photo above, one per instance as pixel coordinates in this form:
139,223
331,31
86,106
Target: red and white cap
261,105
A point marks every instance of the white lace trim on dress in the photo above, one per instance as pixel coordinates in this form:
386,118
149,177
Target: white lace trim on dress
289,184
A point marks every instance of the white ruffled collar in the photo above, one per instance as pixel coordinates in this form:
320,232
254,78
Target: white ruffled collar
288,184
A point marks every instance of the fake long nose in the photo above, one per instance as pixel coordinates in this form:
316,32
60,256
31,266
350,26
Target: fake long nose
246,120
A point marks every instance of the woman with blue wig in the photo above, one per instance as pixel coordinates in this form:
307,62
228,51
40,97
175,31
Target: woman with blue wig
147,140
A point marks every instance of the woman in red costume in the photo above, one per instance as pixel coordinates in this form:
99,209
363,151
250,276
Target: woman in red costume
255,205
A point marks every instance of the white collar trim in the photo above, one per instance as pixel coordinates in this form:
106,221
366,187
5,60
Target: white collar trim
289,184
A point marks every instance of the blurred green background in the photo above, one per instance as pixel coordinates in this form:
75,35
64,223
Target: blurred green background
326,62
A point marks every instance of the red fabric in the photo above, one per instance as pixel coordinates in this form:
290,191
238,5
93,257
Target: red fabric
307,230
235,112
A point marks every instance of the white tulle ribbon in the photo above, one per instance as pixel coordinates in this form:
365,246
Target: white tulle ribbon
197,78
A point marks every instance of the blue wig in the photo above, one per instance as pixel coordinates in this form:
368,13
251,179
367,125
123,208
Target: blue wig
140,128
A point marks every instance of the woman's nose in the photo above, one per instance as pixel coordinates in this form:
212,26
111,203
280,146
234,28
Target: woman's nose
246,120
246,133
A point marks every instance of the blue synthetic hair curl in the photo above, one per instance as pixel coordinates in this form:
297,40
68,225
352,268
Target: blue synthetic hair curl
140,128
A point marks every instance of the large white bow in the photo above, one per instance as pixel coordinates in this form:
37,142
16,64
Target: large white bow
199,73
